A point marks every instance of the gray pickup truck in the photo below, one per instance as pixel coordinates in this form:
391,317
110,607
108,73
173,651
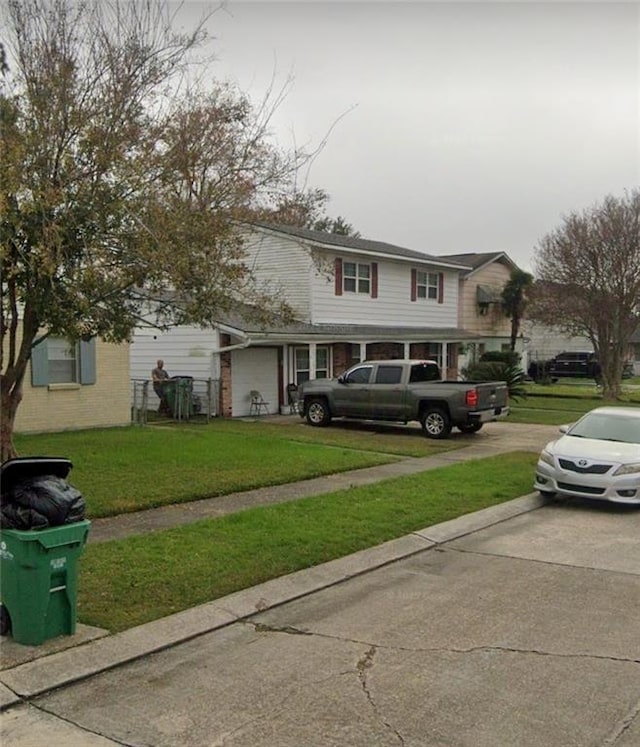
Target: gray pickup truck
404,390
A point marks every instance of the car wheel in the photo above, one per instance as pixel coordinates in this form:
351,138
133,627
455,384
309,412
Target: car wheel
435,423
548,495
470,427
318,413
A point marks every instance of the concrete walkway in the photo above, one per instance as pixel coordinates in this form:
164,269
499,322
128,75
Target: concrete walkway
28,671
494,438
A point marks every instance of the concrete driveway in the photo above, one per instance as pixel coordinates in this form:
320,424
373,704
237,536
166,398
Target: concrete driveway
525,633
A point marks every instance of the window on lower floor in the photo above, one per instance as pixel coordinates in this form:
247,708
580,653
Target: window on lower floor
302,364
62,357
55,360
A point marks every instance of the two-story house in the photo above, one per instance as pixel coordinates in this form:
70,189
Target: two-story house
353,298
480,308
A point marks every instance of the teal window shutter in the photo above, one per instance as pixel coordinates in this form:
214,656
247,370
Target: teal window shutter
39,364
88,361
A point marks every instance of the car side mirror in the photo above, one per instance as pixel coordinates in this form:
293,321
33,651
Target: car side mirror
564,428
341,379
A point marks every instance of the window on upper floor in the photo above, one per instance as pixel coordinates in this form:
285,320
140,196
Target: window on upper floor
427,285
356,277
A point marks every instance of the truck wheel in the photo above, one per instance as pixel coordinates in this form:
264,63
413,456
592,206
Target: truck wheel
318,412
470,427
435,423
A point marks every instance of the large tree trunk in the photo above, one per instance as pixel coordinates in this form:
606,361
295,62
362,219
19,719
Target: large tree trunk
10,398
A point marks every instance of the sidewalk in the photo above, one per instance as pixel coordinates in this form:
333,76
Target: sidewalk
494,438
31,670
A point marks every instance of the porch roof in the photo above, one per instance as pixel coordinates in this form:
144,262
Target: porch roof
304,332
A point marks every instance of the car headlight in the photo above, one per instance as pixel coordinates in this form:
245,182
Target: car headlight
546,457
628,469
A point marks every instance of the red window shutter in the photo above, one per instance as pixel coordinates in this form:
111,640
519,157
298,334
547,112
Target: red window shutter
440,287
414,285
338,276
374,280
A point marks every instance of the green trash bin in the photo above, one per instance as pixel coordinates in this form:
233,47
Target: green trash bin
179,393
39,567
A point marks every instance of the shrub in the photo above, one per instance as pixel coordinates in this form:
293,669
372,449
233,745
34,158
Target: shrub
510,357
512,374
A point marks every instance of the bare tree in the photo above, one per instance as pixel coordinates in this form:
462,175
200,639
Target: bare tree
118,182
588,281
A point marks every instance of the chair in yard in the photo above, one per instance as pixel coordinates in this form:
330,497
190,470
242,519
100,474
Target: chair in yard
292,398
258,404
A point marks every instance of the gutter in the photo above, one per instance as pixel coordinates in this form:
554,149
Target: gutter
237,346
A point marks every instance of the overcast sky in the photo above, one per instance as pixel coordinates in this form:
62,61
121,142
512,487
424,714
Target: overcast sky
459,127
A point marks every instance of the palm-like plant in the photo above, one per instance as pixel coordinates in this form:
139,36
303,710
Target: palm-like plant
508,370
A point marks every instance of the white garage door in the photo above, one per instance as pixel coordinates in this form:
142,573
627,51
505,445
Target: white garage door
253,368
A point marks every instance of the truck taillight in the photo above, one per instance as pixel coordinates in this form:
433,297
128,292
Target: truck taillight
472,398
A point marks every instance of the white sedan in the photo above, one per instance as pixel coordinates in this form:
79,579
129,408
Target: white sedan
597,457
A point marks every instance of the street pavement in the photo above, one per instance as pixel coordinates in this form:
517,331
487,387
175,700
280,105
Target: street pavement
517,625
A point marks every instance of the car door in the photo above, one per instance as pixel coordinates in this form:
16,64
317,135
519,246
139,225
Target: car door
351,396
387,392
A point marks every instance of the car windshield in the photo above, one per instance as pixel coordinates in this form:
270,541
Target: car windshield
608,427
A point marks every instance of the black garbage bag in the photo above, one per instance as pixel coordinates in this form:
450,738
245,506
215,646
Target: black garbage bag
40,502
13,516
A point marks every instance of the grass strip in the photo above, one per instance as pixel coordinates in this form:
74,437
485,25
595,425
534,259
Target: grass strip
553,411
128,582
119,470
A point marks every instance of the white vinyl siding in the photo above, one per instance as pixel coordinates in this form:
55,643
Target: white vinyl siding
186,351
393,305
285,265
253,368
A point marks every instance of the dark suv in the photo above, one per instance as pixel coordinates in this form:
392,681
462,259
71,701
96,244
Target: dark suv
576,365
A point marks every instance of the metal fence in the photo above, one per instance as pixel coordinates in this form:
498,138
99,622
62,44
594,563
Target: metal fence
192,399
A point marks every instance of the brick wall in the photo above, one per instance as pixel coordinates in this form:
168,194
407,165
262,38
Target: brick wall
69,406
384,351
225,404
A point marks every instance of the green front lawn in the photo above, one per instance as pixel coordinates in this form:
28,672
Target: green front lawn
551,409
128,582
119,470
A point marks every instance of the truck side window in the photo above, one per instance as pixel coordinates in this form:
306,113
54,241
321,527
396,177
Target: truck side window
424,372
360,375
389,375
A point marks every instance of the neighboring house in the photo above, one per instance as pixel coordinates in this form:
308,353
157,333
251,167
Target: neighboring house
70,386
544,342
635,351
480,307
354,298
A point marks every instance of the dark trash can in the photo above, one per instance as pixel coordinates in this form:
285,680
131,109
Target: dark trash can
39,566
178,391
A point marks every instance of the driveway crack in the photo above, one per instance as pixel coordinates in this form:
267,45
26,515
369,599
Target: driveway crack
364,664
291,630
622,727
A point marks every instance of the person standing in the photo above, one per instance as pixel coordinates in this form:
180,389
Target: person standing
158,376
